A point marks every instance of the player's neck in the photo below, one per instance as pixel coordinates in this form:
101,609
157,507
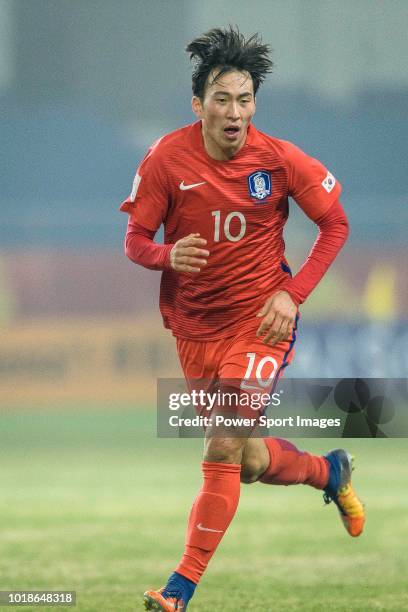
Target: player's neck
218,153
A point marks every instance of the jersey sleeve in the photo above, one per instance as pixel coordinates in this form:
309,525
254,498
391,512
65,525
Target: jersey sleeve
333,233
310,183
149,199
141,249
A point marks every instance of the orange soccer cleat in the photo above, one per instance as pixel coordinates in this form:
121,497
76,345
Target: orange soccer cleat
340,491
155,600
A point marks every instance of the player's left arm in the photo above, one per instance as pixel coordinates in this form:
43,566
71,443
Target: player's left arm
279,311
333,233
317,192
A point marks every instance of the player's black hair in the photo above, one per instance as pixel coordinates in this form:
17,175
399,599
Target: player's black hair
227,49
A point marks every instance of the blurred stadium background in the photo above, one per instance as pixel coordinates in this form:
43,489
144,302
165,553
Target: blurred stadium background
85,87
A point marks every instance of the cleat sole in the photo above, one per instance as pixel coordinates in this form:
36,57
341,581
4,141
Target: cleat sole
151,604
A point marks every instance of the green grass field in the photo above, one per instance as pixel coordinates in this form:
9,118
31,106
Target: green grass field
93,502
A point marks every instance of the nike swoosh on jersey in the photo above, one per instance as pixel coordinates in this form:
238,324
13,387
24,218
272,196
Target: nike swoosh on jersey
183,187
201,528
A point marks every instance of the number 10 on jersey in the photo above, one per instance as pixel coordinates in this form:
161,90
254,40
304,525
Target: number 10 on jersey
226,227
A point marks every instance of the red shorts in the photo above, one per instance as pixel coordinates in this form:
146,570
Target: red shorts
243,360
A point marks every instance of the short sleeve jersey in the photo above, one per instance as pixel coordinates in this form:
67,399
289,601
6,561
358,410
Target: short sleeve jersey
240,206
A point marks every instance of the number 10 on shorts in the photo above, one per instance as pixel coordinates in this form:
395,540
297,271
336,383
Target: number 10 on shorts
250,376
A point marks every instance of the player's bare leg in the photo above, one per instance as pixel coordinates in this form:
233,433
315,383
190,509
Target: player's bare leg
255,460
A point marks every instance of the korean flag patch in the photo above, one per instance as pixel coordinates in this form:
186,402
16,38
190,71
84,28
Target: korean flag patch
260,185
329,182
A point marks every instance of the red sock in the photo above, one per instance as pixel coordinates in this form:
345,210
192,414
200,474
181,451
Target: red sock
290,466
212,512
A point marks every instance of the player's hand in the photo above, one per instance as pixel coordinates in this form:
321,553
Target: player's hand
187,255
279,314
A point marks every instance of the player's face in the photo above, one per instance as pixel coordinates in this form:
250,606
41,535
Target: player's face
225,112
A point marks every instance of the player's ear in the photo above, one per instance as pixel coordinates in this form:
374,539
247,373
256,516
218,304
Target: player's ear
197,106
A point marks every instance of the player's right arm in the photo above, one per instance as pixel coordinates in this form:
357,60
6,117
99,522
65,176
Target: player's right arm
186,255
142,250
147,207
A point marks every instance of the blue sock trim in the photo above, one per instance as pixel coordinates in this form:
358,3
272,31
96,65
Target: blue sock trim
334,475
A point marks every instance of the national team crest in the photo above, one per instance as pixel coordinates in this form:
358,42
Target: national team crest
260,185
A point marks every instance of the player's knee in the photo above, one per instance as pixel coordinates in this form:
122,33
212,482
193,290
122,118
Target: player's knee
224,450
248,478
255,460
251,470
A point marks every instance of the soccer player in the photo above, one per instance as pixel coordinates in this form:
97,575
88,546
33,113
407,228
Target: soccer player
220,187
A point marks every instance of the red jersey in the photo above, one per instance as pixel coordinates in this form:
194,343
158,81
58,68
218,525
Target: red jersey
240,206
